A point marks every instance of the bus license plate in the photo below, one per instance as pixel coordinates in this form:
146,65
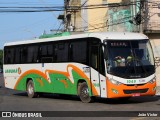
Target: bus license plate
135,94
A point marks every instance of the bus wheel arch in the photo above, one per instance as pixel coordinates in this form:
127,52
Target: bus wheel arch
30,88
83,92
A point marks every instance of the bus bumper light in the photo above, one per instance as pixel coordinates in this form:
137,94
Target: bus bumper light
115,82
114,91
153,80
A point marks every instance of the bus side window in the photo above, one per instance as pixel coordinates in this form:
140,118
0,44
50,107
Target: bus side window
94,57
61,52
47,53
24,54
17,55
32,54
97,59
78,52
9,55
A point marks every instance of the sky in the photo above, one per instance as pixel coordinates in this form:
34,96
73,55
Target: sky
25,26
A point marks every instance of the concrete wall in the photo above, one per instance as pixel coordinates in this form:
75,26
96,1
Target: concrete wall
96,17
154,25
155,41
76,16
114,1
84,16
154,13
90,20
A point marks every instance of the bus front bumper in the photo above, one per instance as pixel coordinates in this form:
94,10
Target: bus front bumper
118,91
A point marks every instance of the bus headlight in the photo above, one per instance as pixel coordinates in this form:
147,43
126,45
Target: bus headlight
152,80
115,82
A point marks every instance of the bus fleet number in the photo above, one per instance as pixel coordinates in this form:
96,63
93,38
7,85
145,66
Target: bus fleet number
131,81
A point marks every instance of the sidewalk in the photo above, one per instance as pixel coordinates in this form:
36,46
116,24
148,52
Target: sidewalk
158,85
158,90
158,80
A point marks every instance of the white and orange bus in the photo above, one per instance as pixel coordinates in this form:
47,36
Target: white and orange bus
105,65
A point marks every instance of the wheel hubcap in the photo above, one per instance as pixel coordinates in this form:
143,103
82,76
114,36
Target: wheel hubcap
85,92
30,89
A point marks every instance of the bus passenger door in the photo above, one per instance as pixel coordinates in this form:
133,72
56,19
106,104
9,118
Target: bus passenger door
95,77
98,78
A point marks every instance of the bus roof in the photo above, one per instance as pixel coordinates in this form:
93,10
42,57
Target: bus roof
100,35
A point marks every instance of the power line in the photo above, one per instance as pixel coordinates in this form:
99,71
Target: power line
120,21
70,8
60,8
59,27
52,12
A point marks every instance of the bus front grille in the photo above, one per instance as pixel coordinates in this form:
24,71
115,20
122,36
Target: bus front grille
134,84
135,91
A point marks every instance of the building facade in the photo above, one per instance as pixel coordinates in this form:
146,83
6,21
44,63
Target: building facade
82,16
101,15
152,29
152,24
121,18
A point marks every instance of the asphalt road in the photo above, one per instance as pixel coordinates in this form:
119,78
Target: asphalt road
11,100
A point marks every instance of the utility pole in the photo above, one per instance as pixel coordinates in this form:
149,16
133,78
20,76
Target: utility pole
141,12
65,15
146,18
74,20
133,14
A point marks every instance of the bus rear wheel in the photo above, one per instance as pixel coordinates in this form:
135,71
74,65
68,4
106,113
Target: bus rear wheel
30,89
83,93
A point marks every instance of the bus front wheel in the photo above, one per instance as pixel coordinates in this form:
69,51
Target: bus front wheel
30,89
83,93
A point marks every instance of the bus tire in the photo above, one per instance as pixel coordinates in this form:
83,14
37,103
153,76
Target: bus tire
30,89
83,93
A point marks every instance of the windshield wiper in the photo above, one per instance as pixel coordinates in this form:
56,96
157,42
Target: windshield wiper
137,59
134,60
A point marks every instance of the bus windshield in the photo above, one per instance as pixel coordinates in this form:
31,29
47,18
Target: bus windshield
129,58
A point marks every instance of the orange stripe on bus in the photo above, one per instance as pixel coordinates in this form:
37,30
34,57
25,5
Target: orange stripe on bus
40,81
80,72
57,72
77,70
31,72
66,74
65,83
